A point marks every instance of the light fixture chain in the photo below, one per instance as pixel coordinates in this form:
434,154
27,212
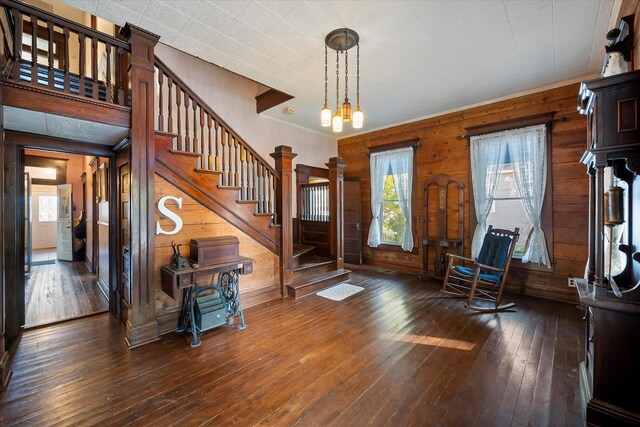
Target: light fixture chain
346,75
358,75
337,78
326,80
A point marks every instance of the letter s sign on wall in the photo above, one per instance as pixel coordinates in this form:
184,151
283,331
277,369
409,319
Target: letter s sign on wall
171,215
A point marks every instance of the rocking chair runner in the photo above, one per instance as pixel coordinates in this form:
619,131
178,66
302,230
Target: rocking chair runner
486,279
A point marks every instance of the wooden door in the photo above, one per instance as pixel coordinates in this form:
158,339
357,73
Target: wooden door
352,221
65,217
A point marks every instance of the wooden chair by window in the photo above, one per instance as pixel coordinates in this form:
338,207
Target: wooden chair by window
485,280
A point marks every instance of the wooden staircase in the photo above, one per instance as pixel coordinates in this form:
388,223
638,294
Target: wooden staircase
180,169
312,273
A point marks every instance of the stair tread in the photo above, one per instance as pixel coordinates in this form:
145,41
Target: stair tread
166,133
312,279
301,249
209,171
229,187
263,214
247,202
314,261
185,153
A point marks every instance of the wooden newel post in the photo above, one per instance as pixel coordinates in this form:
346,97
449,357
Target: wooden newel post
336,210
141,325
284,166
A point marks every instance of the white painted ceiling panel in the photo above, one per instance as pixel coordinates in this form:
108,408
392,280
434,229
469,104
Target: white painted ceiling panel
62,127
421,57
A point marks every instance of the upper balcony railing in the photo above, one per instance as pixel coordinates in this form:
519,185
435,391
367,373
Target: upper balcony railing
45,50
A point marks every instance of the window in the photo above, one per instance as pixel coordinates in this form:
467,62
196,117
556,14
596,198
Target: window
391,191
507,210
393,220
509,177
47,208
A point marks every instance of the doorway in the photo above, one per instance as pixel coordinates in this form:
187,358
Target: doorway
63,278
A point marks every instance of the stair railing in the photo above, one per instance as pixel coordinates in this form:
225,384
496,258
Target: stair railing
201,132
66,56
315,202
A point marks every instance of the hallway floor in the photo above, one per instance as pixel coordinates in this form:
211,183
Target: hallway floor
397,353
61,290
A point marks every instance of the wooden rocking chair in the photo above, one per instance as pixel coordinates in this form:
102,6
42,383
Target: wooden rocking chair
486,279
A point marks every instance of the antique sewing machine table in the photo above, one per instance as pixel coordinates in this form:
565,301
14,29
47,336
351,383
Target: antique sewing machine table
221,278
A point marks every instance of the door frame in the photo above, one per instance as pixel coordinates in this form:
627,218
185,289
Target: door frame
15,144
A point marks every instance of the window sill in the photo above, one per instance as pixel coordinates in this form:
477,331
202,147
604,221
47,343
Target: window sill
395,248
517,263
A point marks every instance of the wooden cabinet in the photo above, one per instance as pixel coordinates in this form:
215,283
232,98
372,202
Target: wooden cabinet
610,373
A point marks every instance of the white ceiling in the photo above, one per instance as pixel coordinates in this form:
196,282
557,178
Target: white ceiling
39,123
418,58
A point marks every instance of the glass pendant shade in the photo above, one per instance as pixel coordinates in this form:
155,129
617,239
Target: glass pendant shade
337,122
325,116
358,118
346,111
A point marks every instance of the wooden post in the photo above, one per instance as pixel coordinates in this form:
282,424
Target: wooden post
5,373
141,325
284,166
302,177
591,266
336,210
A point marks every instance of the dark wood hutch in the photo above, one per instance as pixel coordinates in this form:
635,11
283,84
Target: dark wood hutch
610,373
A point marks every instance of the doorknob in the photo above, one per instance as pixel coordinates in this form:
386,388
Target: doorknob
357,226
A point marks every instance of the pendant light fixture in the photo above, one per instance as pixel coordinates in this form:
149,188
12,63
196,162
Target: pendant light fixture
341,40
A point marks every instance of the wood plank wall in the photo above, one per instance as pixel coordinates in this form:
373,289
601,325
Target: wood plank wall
201,222
440,152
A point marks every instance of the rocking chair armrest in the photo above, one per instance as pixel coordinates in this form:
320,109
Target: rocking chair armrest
461,257
489,267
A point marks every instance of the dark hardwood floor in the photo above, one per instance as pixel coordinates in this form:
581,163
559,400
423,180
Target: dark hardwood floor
59,291
397,353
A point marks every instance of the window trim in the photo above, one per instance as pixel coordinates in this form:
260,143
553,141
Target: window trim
547,204
405,143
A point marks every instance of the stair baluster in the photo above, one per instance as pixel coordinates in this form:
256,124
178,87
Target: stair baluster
94,68
108,89
217,163
65,33
180,143
160,102
235,170
169,104
50,56
223,139
83,63
34,50
202,142
194,145
17,44
187,138
253,178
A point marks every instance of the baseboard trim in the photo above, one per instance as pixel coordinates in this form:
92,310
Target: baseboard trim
260,296
141,334
104,288
604,414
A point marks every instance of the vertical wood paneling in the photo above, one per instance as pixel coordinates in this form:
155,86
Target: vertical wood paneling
441,152
201,222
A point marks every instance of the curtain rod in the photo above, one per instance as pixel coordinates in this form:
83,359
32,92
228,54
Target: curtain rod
560,119
415,146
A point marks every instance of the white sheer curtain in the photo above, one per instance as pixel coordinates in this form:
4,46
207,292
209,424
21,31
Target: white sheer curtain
487,159
400,164
379,165
528,150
